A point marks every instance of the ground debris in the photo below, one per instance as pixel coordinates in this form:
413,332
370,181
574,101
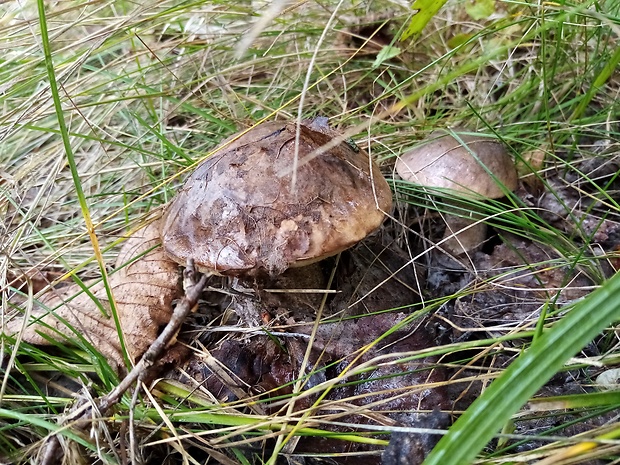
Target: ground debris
513,284
361,329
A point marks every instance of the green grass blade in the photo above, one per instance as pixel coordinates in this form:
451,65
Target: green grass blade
51,74
41,423
476,427
572,401
426,9
601,78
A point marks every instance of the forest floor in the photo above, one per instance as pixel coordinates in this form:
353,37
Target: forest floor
371,354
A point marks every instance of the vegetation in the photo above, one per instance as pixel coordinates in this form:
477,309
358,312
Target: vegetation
106,105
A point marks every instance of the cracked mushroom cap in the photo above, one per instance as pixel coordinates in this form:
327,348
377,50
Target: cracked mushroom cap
445,163
238,215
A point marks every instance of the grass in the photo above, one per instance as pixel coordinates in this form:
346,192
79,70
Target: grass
144,91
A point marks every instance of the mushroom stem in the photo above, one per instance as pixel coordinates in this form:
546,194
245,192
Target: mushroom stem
463,234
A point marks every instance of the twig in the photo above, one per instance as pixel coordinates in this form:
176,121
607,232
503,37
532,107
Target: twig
183,308
193,289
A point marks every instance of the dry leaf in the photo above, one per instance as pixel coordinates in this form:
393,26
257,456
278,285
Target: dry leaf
144,285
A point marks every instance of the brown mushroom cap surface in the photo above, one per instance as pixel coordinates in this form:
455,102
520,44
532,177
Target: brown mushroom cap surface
445,163
236,216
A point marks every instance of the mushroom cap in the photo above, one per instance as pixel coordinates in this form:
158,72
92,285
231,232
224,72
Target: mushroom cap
444,163
235,215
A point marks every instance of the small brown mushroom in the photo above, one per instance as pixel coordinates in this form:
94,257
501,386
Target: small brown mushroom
474,167
236,216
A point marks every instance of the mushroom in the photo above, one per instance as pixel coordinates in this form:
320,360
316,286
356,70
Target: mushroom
474,167
236,216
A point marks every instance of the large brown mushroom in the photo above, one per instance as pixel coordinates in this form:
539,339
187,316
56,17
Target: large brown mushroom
236,216
474,167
